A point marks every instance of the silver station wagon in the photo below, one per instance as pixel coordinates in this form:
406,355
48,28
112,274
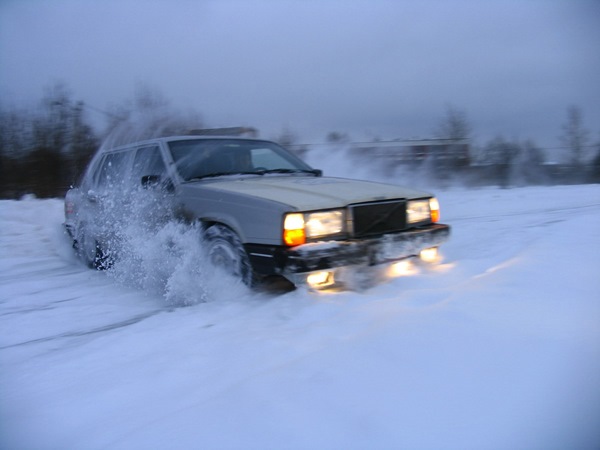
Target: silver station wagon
263,213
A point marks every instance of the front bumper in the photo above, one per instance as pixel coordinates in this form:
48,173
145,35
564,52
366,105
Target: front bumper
365,252
330,255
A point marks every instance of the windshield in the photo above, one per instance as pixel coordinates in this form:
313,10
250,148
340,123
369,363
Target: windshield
203,158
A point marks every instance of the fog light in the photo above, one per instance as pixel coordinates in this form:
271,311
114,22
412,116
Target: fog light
429,255
400,269
320,279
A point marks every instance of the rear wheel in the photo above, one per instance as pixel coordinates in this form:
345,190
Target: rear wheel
90,251
225,251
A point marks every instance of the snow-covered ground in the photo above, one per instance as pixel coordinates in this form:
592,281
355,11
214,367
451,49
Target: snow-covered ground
496,348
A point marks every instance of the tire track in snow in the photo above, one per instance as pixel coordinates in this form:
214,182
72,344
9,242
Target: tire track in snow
101,329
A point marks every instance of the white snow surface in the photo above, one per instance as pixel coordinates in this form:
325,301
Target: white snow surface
496,348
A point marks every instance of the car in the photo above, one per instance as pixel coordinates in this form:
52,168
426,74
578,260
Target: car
263,213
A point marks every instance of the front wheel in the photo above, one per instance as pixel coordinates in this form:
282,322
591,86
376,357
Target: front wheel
225,251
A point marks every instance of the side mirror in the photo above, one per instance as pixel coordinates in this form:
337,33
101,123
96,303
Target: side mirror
150,181
91,196
156,181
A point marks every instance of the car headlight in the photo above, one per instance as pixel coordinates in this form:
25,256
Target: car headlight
300,227
422,211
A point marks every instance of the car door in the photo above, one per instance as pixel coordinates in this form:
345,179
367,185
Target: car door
149,168
152,192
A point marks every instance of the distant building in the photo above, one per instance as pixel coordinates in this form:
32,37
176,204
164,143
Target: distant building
414,150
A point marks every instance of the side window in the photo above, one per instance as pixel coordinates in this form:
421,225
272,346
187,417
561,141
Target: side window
112,171
88,179
147,161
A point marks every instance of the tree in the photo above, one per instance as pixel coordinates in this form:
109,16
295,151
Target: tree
501,155
575,136
527,165
83,142
595,166
15,140
454,125
513,162
15,132
500,151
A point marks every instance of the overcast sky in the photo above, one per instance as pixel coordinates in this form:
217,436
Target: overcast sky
370,68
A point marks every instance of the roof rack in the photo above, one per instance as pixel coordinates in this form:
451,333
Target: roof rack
230,131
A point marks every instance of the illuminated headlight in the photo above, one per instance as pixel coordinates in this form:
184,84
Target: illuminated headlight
422,211
417,211
298,227
320,224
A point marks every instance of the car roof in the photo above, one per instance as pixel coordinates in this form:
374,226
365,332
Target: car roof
178,138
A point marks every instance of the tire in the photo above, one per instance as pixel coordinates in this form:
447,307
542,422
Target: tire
89,251
225,251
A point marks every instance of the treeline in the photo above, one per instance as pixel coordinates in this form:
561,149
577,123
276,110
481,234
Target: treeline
509,163
43,152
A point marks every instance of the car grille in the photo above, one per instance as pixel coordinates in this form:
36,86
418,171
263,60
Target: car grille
378,217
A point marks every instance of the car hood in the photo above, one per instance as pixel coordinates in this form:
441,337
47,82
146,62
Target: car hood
310,193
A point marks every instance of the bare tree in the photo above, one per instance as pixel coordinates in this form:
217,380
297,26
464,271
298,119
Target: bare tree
575,137
454,125
500,151
15,132
595,165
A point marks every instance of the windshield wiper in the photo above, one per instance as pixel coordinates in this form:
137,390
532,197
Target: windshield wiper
223,174
260,172
313,171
